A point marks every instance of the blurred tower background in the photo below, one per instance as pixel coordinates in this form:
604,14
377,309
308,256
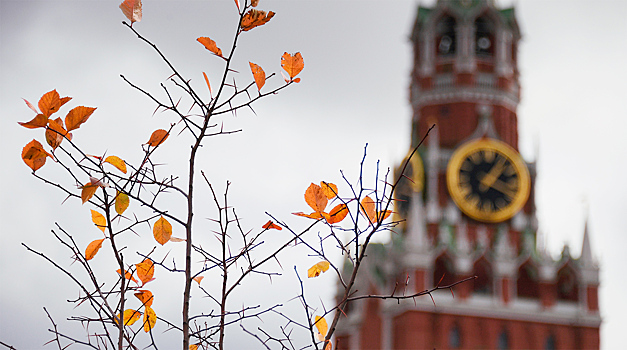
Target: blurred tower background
469,210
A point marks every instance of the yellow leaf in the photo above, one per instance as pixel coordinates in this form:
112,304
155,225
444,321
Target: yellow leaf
293,64
146,297
99,220
158,137
210,45
162,230
258,74
317,269
145,270
198,279
150,318
88,191
121,202
132,9
130,316
93,248
116,162
321,325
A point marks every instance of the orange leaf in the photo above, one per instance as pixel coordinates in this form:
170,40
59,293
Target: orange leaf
236,4
77,116
255,18
130,316
384,214
329,189
157,137
50,102
254,3
314,215
321,325
146,297
162,231
39,121
121,202
132,9
210,45
88,191
93,248
315,198
195,346
145,270
150,318
292,64
55,133
127,275
208,85
368,208
258,74
99,220
198,279
329,346
337,214
317,269
271,225
117,162
34,155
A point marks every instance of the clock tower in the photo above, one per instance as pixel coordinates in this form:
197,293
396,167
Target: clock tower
469,210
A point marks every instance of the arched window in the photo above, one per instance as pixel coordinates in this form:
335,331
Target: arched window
484,37
483,270
446,42
527,283
454,338
443,270
503,341
567,284
549,344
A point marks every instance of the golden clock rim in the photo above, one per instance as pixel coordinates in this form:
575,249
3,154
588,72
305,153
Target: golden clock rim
452,177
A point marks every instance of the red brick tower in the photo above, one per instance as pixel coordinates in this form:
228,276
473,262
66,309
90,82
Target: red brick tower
470,210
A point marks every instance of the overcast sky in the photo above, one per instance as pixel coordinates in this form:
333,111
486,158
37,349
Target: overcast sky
354,90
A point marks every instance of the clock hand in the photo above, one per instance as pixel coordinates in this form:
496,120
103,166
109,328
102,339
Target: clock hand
503,188
488,179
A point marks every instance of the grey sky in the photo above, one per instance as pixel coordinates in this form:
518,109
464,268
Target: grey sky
354,91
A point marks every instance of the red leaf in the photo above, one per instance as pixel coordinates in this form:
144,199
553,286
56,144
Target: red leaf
258,74
132,9
210,45
271,225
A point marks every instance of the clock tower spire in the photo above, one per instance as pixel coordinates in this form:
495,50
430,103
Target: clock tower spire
468,209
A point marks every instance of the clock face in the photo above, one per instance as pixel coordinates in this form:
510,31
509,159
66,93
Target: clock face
488,180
